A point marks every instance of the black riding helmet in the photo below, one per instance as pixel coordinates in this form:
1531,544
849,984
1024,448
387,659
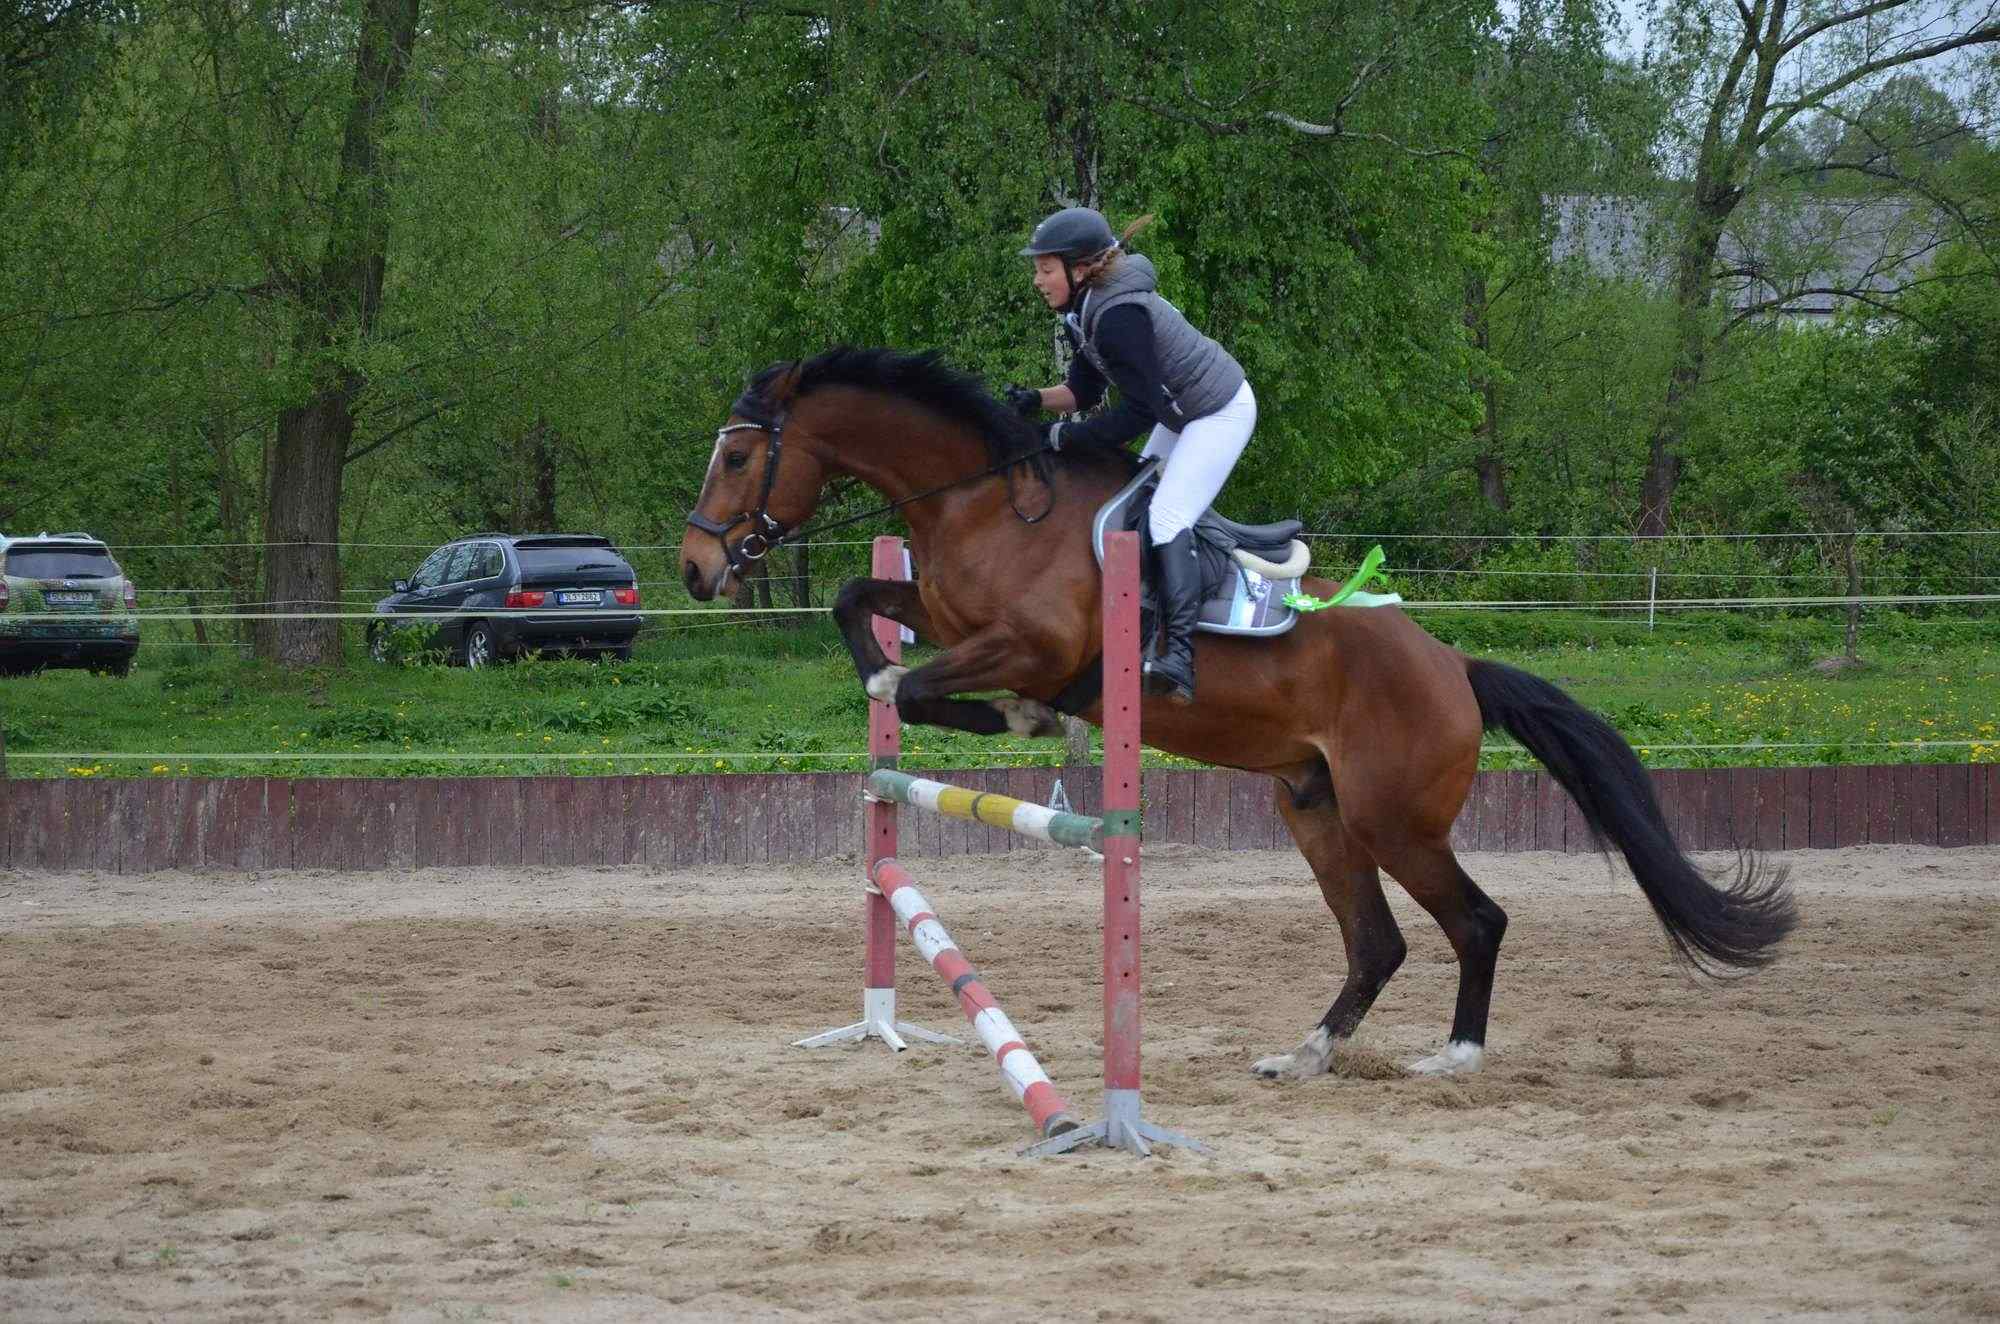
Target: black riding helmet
1072,234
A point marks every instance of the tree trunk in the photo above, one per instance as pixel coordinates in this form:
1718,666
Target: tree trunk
545,129
302,530
342,299
542,448
1486,460
238,564
752,584
1853,605
1694,285
801,579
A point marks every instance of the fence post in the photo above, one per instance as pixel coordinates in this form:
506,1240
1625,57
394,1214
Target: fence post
878,921
1076,764
1652,594
1123,1126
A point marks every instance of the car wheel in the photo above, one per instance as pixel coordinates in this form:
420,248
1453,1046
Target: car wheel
118,669
479,649
378,645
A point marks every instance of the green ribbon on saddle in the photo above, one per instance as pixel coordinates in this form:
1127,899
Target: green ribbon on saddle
1351,593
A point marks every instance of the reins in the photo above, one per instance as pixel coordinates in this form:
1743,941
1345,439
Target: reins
767,533
987,472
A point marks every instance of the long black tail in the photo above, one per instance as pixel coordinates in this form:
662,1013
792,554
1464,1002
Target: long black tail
1711,926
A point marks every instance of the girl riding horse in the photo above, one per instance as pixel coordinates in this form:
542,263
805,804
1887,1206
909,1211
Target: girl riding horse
1170,378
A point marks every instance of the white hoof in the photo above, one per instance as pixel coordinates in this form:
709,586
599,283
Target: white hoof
1030,717
1307,1060
882,686
1456,1059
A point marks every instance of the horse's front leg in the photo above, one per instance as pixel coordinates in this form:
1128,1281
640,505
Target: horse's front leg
990,660
855,608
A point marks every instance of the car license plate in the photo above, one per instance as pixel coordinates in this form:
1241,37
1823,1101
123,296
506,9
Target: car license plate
85,599
579,599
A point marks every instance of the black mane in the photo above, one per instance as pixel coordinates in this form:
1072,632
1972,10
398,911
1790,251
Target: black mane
924,378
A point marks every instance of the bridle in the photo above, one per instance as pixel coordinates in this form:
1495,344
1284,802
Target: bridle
767,533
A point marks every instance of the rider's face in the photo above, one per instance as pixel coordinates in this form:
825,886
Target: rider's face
1051,281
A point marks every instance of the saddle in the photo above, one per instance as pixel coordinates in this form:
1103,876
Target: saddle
1246,569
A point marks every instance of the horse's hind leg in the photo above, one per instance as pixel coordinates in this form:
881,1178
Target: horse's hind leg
1349,881
1431,873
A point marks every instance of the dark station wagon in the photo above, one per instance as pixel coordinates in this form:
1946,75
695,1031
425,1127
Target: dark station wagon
499,595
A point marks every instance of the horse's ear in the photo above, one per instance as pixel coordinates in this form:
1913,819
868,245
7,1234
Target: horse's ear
786,384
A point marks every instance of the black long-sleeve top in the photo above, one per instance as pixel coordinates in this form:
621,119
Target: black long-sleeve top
1125,341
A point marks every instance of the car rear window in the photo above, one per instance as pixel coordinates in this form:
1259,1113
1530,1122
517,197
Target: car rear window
561,560
61,563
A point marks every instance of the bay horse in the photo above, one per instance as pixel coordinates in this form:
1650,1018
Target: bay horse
1370,726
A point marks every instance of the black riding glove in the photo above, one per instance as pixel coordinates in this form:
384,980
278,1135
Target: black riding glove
1023,400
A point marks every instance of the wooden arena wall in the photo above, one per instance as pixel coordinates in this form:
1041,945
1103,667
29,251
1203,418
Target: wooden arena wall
132,826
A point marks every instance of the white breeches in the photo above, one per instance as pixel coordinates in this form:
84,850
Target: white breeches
1196,463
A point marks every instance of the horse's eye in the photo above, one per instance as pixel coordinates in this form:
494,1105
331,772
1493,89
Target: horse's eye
736,460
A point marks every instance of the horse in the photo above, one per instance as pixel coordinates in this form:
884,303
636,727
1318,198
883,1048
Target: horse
1370,727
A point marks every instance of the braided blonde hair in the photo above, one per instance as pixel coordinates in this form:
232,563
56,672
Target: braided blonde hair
1090,270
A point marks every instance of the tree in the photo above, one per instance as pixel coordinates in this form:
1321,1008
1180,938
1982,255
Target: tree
1329,254
340,298
1903,128
1566,118
1743,73
51,51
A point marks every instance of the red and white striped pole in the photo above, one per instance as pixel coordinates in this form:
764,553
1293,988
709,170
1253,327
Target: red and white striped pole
1018,1067
878,919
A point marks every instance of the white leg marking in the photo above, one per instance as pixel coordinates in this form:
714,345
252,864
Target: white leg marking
1308,1059
1029,717
1457,1058
883,684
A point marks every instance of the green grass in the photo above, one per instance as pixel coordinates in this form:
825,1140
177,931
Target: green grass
785,699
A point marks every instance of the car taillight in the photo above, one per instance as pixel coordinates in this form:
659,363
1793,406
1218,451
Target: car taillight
526,597
131,595
626,597
3,595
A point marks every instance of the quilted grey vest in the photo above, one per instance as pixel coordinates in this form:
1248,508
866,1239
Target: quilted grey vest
1200,375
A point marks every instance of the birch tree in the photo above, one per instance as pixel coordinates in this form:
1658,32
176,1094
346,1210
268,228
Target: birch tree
1743,73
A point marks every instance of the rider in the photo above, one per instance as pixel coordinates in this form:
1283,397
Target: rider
1170,377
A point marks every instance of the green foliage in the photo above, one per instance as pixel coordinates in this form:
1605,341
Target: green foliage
373,724
600,218
787,701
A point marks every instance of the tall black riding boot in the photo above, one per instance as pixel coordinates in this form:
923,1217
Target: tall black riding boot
1178,590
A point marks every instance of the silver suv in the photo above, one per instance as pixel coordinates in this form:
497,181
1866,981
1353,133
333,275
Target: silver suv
65,603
